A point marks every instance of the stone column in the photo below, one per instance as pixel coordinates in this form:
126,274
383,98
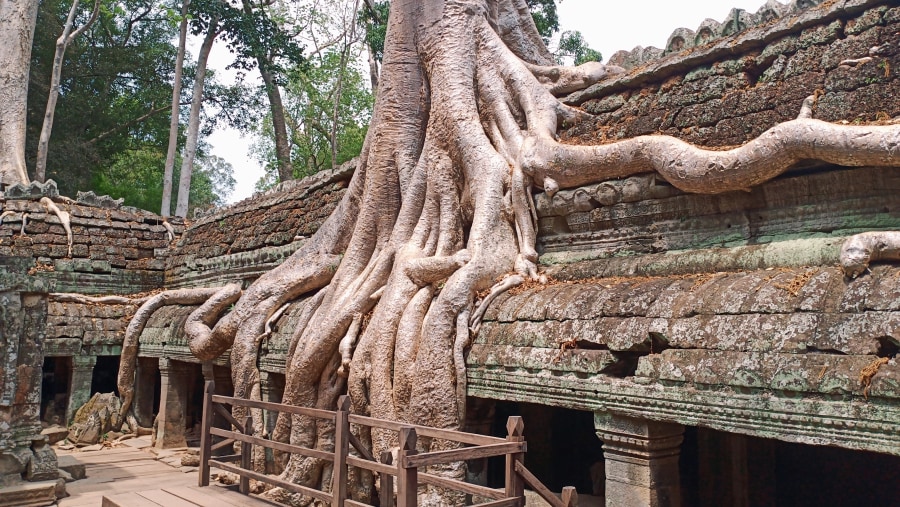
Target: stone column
80,388
170,422
641,461
145,385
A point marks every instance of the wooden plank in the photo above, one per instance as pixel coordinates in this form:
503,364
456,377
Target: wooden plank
465,487
246,456
290,486
197,497
354,503
205,436
127,500
275,407
425,431
341,451
229,495
222,444
373,466
506,502
386,493
538,486
360,448
271,444
228,417
467,453
167,499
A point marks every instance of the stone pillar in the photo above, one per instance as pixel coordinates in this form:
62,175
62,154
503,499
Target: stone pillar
80,388
641,461
170,422
144,388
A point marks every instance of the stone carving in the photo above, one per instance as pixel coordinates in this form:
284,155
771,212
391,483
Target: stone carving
34,191
89,198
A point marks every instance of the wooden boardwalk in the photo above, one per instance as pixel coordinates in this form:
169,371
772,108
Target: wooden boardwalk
129,477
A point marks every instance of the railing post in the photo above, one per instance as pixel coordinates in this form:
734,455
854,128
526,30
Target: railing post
515,486
205,437
246,456
386,495
570,496
407,478
341,449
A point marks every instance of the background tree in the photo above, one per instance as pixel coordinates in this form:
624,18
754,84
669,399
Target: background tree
62,43
574,48
172,147
115,92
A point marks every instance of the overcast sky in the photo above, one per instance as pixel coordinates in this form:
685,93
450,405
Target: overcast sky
607,25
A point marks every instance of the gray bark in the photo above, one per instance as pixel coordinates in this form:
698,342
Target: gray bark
166,206
17,19
190,148
62,43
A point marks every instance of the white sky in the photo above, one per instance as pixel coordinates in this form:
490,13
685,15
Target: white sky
607,25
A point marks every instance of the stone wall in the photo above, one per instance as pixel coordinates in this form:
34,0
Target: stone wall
729,92
114,250
246,239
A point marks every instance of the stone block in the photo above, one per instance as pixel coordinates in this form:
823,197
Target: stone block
29,494
72,466
43,465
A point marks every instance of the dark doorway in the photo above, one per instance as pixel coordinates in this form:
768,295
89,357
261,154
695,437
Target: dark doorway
563,448
105,376
55,382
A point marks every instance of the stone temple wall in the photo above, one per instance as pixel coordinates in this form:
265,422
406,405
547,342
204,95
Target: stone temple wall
114,250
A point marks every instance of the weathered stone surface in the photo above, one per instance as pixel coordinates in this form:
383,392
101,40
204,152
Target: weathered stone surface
34,494
72,466
97,417
55,433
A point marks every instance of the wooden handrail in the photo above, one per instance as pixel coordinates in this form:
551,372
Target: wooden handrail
404,471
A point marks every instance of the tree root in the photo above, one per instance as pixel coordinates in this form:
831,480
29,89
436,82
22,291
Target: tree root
64,219
506,284
860,250
65,297
131,343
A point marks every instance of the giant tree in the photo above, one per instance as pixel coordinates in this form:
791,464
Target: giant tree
17,18
440,210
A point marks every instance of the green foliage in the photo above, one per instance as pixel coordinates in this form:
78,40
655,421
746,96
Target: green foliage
117,72
137,175
375,25
545,18
309,106
573,45
112,119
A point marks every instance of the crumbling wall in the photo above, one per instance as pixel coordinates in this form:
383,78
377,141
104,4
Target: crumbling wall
727,92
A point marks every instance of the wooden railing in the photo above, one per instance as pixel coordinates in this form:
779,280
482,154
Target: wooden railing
404,472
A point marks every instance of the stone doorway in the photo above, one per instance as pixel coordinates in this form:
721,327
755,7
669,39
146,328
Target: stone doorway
55,382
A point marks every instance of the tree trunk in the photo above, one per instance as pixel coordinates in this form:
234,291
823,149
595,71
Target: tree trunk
166,206
62,43
439,209
190,148
279,124
17,19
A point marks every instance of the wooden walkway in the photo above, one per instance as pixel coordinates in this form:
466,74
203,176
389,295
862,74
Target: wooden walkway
129,477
